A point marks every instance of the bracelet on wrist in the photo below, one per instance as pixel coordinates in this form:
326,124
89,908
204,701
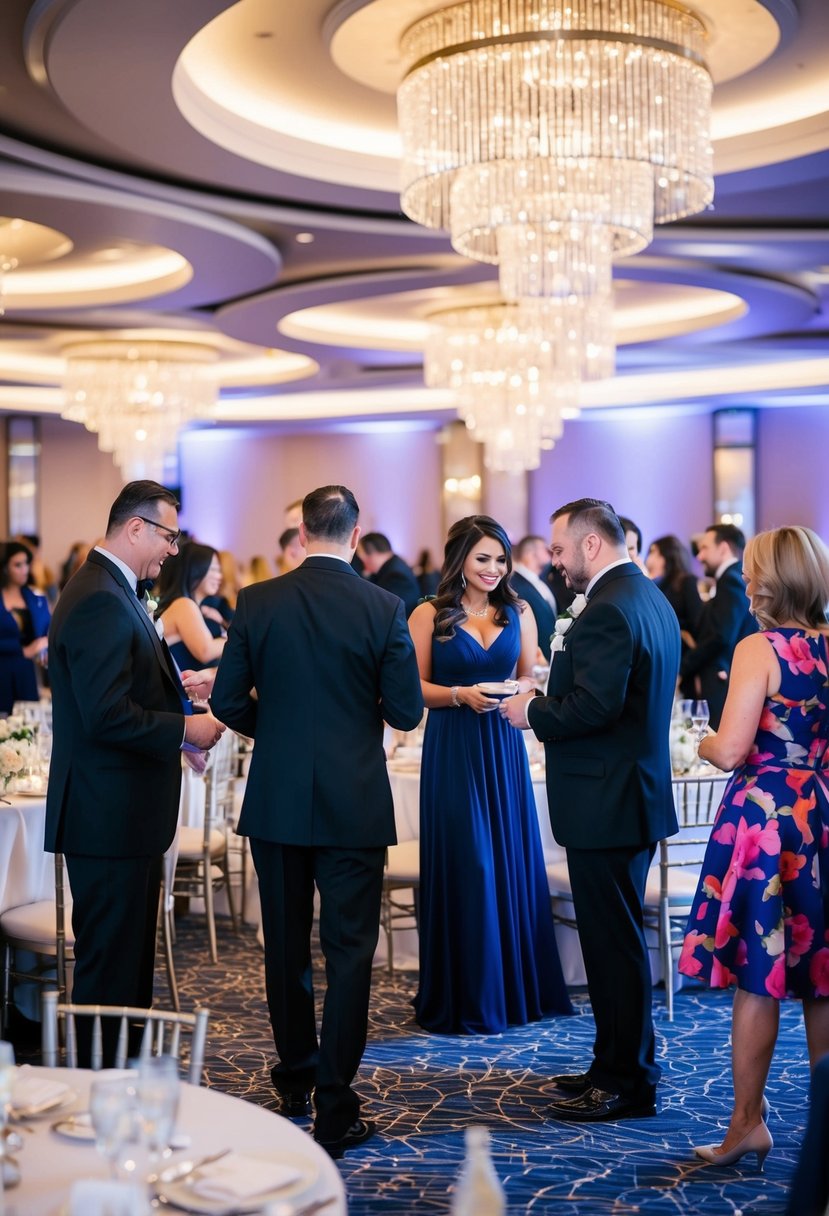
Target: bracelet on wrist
453,692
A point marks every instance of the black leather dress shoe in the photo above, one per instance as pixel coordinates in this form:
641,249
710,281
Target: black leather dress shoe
295,1105
358,1133
573,1083
599,1106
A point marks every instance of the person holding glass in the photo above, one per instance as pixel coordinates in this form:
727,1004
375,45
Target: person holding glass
194,631
760,918
24,626
488,955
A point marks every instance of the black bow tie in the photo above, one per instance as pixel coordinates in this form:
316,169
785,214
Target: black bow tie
143,586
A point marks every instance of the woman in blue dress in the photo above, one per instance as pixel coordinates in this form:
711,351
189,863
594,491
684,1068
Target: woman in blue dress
488,956
24,625
194,632
760,918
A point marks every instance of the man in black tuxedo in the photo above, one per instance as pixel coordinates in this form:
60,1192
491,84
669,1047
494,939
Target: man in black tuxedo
120,718
529,560
725,619
604,723
388,570
315,662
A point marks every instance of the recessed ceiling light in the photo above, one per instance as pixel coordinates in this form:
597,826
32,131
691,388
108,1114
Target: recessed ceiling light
304,238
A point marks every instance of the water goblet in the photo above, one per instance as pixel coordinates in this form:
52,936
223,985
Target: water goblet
111,1108
158,1095
699,718
683,711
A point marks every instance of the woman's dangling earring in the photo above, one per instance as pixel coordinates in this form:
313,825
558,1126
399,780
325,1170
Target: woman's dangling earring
463,581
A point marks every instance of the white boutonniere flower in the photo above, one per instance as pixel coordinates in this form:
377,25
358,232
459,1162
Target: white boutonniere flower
150,602
565,620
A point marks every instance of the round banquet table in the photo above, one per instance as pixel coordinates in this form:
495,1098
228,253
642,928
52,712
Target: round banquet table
50,1163
27,873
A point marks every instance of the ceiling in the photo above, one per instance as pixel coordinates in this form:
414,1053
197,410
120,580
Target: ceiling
226,173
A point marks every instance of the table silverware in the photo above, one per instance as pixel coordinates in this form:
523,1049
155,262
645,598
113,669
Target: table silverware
183,1169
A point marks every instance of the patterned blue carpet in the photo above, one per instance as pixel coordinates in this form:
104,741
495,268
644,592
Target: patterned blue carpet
425,1089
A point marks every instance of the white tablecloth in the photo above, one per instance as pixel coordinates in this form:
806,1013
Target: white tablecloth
26,871
49,1163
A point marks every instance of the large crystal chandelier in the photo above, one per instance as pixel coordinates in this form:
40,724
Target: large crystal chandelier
549,136
137,395
515,370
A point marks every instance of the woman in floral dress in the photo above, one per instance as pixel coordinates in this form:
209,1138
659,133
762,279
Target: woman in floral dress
760,918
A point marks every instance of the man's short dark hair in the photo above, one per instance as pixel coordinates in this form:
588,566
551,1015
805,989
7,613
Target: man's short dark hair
375,542
288,537
138,498
731,535
525,543
330,513
593,515
629,526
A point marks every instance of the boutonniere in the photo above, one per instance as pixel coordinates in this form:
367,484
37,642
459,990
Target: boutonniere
150,603
564,621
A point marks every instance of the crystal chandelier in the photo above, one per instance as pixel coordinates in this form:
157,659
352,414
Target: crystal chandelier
515,370
136,396
549,136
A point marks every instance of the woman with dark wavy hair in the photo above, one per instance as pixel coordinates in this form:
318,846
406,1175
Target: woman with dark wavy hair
669,564
488,956
24,624
194,633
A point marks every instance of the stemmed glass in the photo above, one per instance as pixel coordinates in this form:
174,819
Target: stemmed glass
699,719
158,1094
7,1075
111,1108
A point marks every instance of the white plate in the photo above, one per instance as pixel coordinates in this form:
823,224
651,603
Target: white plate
29,793
183,1196
76,1127
23,1114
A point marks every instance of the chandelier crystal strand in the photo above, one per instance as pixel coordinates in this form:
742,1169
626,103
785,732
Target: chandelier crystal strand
136,396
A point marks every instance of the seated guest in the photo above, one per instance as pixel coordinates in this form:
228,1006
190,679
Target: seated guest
528,585
196,638
669,565
388,570
291,551
24,624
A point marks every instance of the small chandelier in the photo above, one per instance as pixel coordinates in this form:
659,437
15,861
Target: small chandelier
137,396
515,370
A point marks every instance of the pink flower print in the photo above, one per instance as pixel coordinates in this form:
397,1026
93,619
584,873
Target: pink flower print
688,963
712,888
749,842
795,651
772,724
802,936
727,834
791,864
721,977
819,972
802,805
776,978
762,798
742,953
725,929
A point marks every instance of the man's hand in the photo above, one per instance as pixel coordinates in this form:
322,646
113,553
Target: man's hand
199,684
203,730
514,709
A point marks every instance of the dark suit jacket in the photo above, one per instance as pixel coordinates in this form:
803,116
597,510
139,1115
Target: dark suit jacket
605,721
545,618
330,658
398,578
118,722
725,620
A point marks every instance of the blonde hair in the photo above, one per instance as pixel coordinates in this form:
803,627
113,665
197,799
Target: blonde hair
789,568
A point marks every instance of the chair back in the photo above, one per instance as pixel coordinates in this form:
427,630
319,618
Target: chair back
220,784
162,1033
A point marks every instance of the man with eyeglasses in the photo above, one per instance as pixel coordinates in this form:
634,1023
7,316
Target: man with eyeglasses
120,721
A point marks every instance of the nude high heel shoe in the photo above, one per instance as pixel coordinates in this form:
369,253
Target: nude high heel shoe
765,1109
758,1141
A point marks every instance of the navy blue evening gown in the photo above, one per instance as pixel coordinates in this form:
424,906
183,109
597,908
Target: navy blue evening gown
488,955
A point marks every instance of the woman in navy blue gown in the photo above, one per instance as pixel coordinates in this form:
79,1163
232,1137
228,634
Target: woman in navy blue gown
488,956
24,625
195,633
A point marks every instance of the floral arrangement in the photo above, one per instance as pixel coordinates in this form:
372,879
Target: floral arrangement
16,740
564,621
683,747
150,603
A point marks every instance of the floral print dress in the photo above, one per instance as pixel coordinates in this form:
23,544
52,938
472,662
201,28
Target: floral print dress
760,917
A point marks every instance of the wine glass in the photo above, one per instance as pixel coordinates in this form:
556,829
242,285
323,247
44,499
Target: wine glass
111,1108
699,718
8,1072
158,1094
683,711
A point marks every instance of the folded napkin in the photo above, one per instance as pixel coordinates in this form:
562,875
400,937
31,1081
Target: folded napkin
238,1176
94,1197
33,1091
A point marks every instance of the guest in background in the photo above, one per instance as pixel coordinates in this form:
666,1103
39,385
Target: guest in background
760,918
120,720
527,583
291,551
74,559
329,658
426,573
41,577
224,601
488,955
669,565
633,541
293,514
24,625
725,618
388,570
194,633
605,727
259,570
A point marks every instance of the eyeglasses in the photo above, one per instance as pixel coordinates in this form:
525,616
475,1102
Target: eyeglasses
172,537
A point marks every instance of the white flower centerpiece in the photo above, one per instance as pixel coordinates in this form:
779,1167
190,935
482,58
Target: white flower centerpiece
564,622
17,747
683,747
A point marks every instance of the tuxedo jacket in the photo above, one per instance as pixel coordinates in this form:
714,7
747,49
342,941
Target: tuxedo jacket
330,658
399,578
545,618
605,721
724,621
118,722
